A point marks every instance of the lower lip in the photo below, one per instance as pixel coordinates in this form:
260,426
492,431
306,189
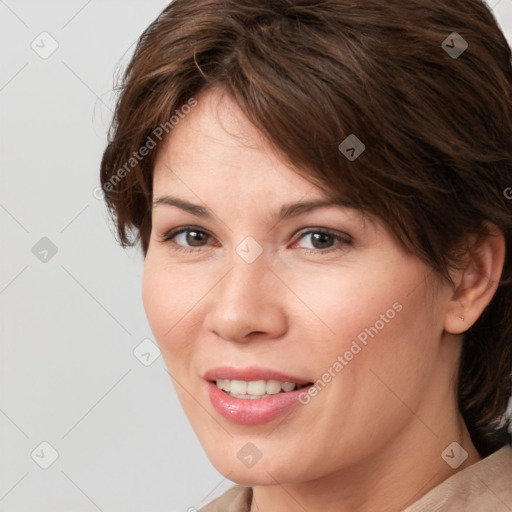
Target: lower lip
252,411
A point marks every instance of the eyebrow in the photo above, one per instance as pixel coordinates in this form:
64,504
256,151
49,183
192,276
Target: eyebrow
286,211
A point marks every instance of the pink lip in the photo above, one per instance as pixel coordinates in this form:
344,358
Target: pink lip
251,411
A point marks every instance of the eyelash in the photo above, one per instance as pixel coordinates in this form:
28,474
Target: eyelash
338,237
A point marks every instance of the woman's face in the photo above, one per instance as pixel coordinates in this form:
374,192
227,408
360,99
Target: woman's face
257,288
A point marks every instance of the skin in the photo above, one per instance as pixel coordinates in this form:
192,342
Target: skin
372,439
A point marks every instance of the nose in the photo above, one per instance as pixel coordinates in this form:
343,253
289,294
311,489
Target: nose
244,305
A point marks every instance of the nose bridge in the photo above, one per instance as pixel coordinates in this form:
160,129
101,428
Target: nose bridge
244,284
245,301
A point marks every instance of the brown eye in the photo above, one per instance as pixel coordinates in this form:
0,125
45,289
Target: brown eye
187,238
322,241
195,238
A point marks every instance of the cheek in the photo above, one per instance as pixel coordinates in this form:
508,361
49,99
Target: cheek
374,351
168,297
368,325
155,298
346,303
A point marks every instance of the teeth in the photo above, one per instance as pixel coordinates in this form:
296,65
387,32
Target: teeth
273,387
224,384
255,388
239,387
288,386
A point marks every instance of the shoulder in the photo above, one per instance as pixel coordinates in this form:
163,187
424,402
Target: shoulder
235,499
483,486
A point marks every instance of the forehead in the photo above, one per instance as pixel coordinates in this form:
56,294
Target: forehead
215,160
216,148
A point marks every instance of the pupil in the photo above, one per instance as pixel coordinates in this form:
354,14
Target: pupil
321,238
195,238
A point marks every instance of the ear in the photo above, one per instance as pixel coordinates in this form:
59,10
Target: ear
476,284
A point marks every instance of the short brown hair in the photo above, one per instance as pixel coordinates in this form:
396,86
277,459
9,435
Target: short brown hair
437,128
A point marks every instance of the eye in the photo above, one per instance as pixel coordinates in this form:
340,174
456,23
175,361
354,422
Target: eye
186,238
322,240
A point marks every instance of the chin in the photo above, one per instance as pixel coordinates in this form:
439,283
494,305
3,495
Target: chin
263,471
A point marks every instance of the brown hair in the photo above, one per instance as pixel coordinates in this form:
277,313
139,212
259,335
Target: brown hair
437,128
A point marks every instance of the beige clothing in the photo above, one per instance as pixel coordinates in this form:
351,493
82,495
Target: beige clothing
482,487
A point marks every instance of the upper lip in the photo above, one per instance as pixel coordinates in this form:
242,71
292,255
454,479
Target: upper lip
250,373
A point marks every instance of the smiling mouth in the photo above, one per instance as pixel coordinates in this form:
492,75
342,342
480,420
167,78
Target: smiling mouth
254,389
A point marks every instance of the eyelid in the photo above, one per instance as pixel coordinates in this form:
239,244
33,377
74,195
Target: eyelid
170,234
317,229
341,240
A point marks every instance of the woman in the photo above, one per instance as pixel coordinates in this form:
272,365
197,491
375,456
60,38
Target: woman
319,190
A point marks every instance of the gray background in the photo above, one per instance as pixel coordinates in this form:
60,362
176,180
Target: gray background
70,321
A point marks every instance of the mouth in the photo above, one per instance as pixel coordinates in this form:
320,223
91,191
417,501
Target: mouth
254,389
253,395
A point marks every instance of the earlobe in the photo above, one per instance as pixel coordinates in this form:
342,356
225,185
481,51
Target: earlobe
477,282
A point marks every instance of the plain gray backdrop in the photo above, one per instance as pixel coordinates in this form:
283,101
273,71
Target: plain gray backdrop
89,419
